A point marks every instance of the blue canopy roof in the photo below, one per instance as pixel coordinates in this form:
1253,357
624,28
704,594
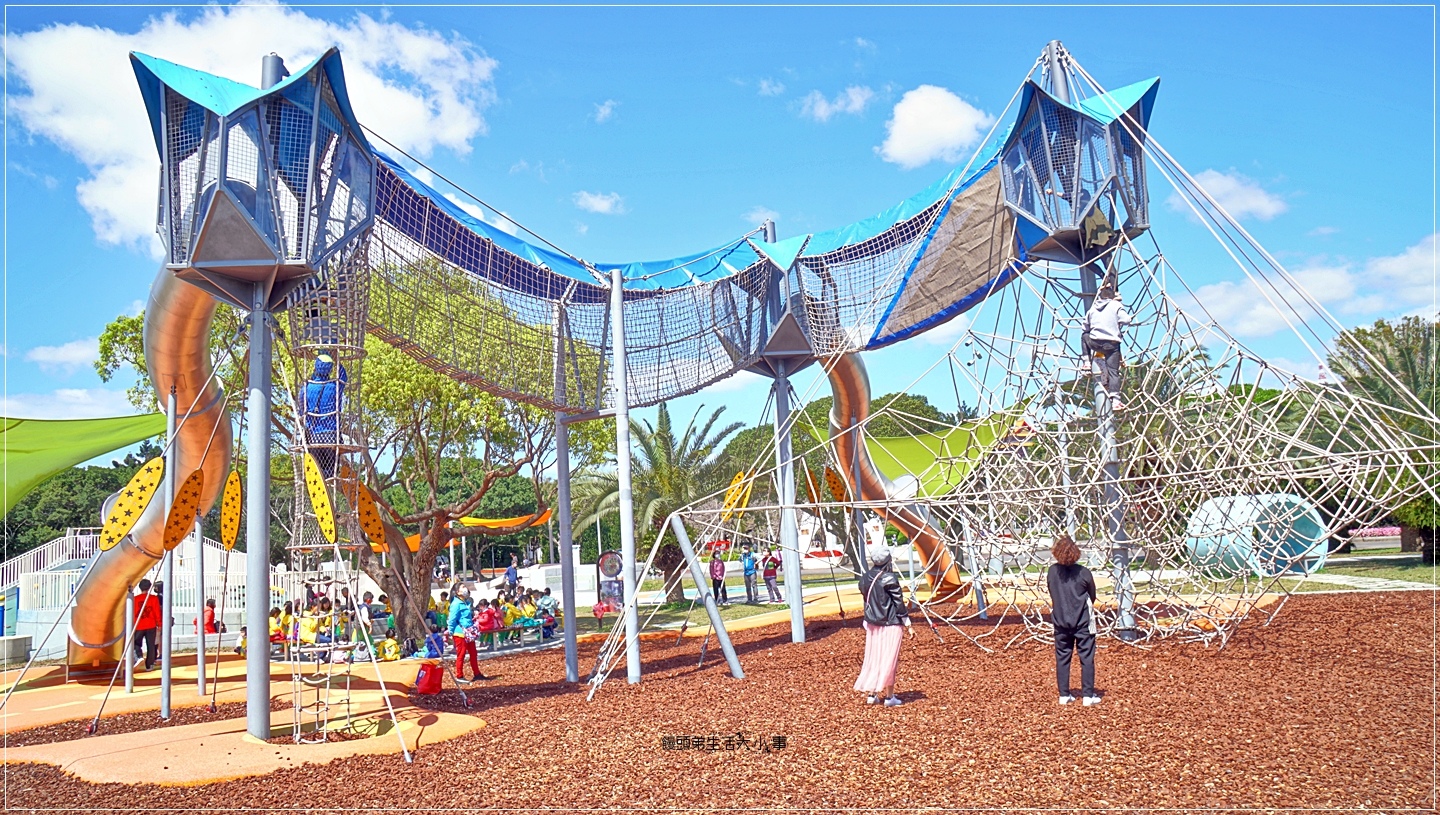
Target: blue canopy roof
224,96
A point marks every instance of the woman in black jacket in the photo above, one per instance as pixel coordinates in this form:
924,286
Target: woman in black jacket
1072,591
885,614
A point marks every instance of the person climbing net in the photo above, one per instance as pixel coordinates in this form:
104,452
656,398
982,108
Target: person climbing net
324,394
1100,335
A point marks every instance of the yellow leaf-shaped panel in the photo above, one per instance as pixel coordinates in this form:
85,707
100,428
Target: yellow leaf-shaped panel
837,485
133,499
319,498
370,518
230,510
183,511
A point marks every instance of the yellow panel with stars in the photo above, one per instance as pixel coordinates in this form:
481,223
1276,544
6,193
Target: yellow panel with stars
319,498
349,483
183,511
230,510
837,486
370,518
133,500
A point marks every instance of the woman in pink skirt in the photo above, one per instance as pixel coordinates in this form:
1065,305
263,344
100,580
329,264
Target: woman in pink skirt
885,616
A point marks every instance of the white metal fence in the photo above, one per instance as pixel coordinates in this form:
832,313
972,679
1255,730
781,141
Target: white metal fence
77,544
51,591
46,591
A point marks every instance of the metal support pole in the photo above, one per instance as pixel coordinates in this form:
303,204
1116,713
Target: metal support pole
789,531
1112,499
201,641
857,515
566,520
129,654
697,573
167,607
257,520
1064,408
622,470
1059,80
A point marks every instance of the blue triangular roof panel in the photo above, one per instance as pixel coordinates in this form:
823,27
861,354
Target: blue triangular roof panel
782,253
1107,107
225,96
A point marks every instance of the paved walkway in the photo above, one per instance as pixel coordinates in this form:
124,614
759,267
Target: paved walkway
1371,583
214,750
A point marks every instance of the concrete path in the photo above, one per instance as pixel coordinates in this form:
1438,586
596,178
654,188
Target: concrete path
225,751
1371,583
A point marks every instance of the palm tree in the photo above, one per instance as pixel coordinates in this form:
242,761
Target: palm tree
1406,352
667,473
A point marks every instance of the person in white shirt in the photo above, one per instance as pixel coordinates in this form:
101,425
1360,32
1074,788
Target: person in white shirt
1100,336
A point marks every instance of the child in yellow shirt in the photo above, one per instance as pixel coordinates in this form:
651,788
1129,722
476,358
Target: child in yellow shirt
389,650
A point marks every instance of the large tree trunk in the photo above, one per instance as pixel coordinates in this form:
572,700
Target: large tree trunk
409,621
672,564
1409,539
1427,546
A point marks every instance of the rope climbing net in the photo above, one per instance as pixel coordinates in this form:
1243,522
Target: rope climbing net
1207,499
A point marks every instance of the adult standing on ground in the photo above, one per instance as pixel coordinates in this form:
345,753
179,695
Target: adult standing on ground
769,568
886,616
512,575
752,571
1072,591
147,623
460,619
717,579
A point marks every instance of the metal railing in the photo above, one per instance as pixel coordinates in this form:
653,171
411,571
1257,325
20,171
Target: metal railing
51,591
79,543
43,591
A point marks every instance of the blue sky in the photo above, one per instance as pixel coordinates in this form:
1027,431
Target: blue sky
626,134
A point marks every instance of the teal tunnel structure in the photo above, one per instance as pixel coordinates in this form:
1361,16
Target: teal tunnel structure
1261,535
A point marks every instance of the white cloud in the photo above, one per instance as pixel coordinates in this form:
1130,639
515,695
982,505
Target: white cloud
4,351
1240,196
49,181
759,215
930,122
1388,286
948,333
864,44
740,381
482,214
852,100
1407,280
1303,368
609,203
581,227
1322,231
67,358
771,87
137,307
419,88
604,111
67,403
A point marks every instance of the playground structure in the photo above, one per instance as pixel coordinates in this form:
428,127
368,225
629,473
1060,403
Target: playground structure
273,199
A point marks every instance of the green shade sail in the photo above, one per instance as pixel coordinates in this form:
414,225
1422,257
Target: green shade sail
36,449
942,460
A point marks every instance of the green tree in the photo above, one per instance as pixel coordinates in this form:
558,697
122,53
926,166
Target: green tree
71,499
667,472
1396,364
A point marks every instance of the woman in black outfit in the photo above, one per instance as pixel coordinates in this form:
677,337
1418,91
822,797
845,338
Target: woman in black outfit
1072,591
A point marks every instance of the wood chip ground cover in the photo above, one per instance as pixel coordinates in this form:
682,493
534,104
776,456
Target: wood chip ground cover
1332,706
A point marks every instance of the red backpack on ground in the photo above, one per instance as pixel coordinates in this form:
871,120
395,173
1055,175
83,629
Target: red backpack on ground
428,680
